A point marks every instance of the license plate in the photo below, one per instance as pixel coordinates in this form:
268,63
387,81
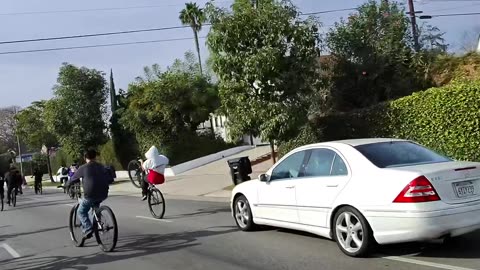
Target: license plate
464,189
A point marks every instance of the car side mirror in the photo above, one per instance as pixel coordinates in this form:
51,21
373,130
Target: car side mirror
263,178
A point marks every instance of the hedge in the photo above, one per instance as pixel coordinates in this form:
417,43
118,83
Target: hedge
446,119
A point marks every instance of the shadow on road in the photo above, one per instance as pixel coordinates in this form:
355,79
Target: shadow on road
21,204
9,236
128,247
202,212
462,247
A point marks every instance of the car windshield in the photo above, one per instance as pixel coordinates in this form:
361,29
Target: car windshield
399,154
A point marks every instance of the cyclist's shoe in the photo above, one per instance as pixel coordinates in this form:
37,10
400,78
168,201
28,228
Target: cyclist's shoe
88,234
144,197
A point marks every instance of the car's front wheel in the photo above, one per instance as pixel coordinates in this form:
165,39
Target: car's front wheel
243,214
352,232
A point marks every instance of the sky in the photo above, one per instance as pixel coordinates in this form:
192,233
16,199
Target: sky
28,77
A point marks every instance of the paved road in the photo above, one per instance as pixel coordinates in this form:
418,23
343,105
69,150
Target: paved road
194,235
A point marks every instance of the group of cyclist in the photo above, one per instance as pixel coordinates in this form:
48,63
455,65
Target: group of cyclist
95,179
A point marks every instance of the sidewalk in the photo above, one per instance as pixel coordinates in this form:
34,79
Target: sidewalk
208,181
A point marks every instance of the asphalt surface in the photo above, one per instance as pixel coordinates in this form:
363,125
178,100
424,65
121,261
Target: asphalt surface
195,235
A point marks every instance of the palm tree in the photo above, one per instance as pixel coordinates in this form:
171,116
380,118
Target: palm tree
194,16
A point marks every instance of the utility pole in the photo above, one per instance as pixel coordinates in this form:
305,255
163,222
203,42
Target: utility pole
414,24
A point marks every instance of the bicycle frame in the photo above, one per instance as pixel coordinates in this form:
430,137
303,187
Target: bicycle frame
96,224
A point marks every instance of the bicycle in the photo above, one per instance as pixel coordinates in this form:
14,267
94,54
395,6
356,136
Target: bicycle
38,188
135,172
155,197
74,191
101,227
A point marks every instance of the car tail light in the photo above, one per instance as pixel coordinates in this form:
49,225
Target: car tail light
419,190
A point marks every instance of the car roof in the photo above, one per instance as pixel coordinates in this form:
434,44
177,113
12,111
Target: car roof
354,142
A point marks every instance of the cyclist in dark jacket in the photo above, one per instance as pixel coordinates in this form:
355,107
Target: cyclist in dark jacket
95,179
14,181
37,174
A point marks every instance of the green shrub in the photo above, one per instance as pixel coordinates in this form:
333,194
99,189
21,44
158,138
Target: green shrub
108,156
446,119
448,67
307,135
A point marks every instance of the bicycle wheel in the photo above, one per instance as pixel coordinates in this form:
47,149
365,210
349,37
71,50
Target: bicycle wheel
41,188
106,229
156,203
75,227
135,173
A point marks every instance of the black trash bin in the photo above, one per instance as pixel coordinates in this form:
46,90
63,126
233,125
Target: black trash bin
240,168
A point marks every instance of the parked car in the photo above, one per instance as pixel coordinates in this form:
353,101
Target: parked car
362,192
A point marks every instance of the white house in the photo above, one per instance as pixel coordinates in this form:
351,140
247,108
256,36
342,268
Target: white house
221,129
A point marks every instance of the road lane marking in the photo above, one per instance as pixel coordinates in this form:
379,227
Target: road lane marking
150,218
10,250
424,263
69,205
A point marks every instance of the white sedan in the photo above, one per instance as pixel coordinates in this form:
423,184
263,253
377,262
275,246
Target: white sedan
363,192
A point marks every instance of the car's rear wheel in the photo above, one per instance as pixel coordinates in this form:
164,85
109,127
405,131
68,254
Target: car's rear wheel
243,214
352,232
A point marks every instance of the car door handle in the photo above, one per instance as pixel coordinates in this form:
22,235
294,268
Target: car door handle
289,187
332,185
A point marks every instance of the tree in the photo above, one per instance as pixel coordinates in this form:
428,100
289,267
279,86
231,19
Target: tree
7,128
75,114
374,56
113,94
161,111
470,40
194,16
150,74
32,128
265,58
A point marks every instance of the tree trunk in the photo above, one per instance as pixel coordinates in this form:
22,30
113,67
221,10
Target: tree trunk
195,34
251,139
272,151
49,166
211,125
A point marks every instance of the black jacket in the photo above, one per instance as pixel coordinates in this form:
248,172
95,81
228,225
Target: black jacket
95,178
13,180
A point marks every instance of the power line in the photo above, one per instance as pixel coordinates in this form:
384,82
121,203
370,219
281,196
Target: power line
423,3
96,46
92,9
455,14
137,31
451,8
327,11
95,35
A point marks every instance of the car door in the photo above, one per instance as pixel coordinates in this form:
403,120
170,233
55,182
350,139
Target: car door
277,197
325,175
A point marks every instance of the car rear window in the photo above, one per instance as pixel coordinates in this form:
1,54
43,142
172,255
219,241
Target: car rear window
399,154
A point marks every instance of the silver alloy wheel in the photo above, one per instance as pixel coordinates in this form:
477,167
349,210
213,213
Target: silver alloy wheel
242,214
349,231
